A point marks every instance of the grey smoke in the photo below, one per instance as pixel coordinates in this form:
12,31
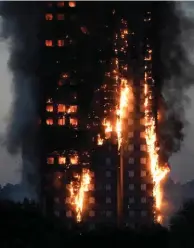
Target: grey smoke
20,27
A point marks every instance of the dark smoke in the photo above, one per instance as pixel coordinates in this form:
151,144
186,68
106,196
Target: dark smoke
20,28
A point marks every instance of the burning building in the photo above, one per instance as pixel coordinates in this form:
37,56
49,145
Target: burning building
101,165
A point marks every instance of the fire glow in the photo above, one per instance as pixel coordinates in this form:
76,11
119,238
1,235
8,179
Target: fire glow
77,190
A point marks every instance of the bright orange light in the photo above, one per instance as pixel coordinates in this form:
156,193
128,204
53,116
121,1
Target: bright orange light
72,109
49,108
61,121
73,121
60,43
49,121
61,108
50,160
74,159
72,4
49,17
62,160
99,140
49,43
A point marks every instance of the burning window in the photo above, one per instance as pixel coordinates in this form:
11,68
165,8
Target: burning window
91,187
143,148
131,186
61,160
64,75
68,214
143,173
130,148
143,187
73,121
60,17
60,43
74,159
130,135
50,160
61,108
131,173
131,161
72,4
143,200
49,17
49,43
142,134
61,121
72,109
108,173
131,200
91,200
130,122
60,4
142,160
49,121
91,213
142,121
108,187
49,108
68,200
108,200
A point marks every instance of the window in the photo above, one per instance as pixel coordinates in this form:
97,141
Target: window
57,213
61,108
49,121
131,186
131,173
131,213
143,187
61,121
49,17
108,161
143,213
60,4
72,109
130,122
130,135
142,160
91,213
67,200
60,17
142,121
68,214
62,160
74,159
50,160
143,200
108,187
142,134
108,173
72,4
73,121
108,213
143,148
131,200
56,200
49,108
131,161
108,200
143,173
49,43
130,148
91,200
60,43
91,187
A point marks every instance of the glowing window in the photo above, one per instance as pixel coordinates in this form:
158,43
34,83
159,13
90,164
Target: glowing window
72,109
49,43
68,214
64,75
49,17
74,159
91,213
108,213
61,108
130,135
72,4
130,122
73,121
61,121
143,173
108,200
131,187
49,108
143,148
131,161
91,200
67,200
143,199
108,187
62,160
108,173
50,160
142,121
60,4
49,121
131,173
60,43
91,187
60,17
130,148
142,160
143,187
131,200
142,134
131,213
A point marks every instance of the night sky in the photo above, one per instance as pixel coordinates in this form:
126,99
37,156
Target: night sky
182,168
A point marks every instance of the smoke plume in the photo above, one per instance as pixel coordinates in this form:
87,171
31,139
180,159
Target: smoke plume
20,27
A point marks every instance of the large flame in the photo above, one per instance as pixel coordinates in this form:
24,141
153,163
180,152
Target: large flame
77,189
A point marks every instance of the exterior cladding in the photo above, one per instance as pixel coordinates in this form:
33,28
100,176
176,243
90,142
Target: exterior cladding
72,132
